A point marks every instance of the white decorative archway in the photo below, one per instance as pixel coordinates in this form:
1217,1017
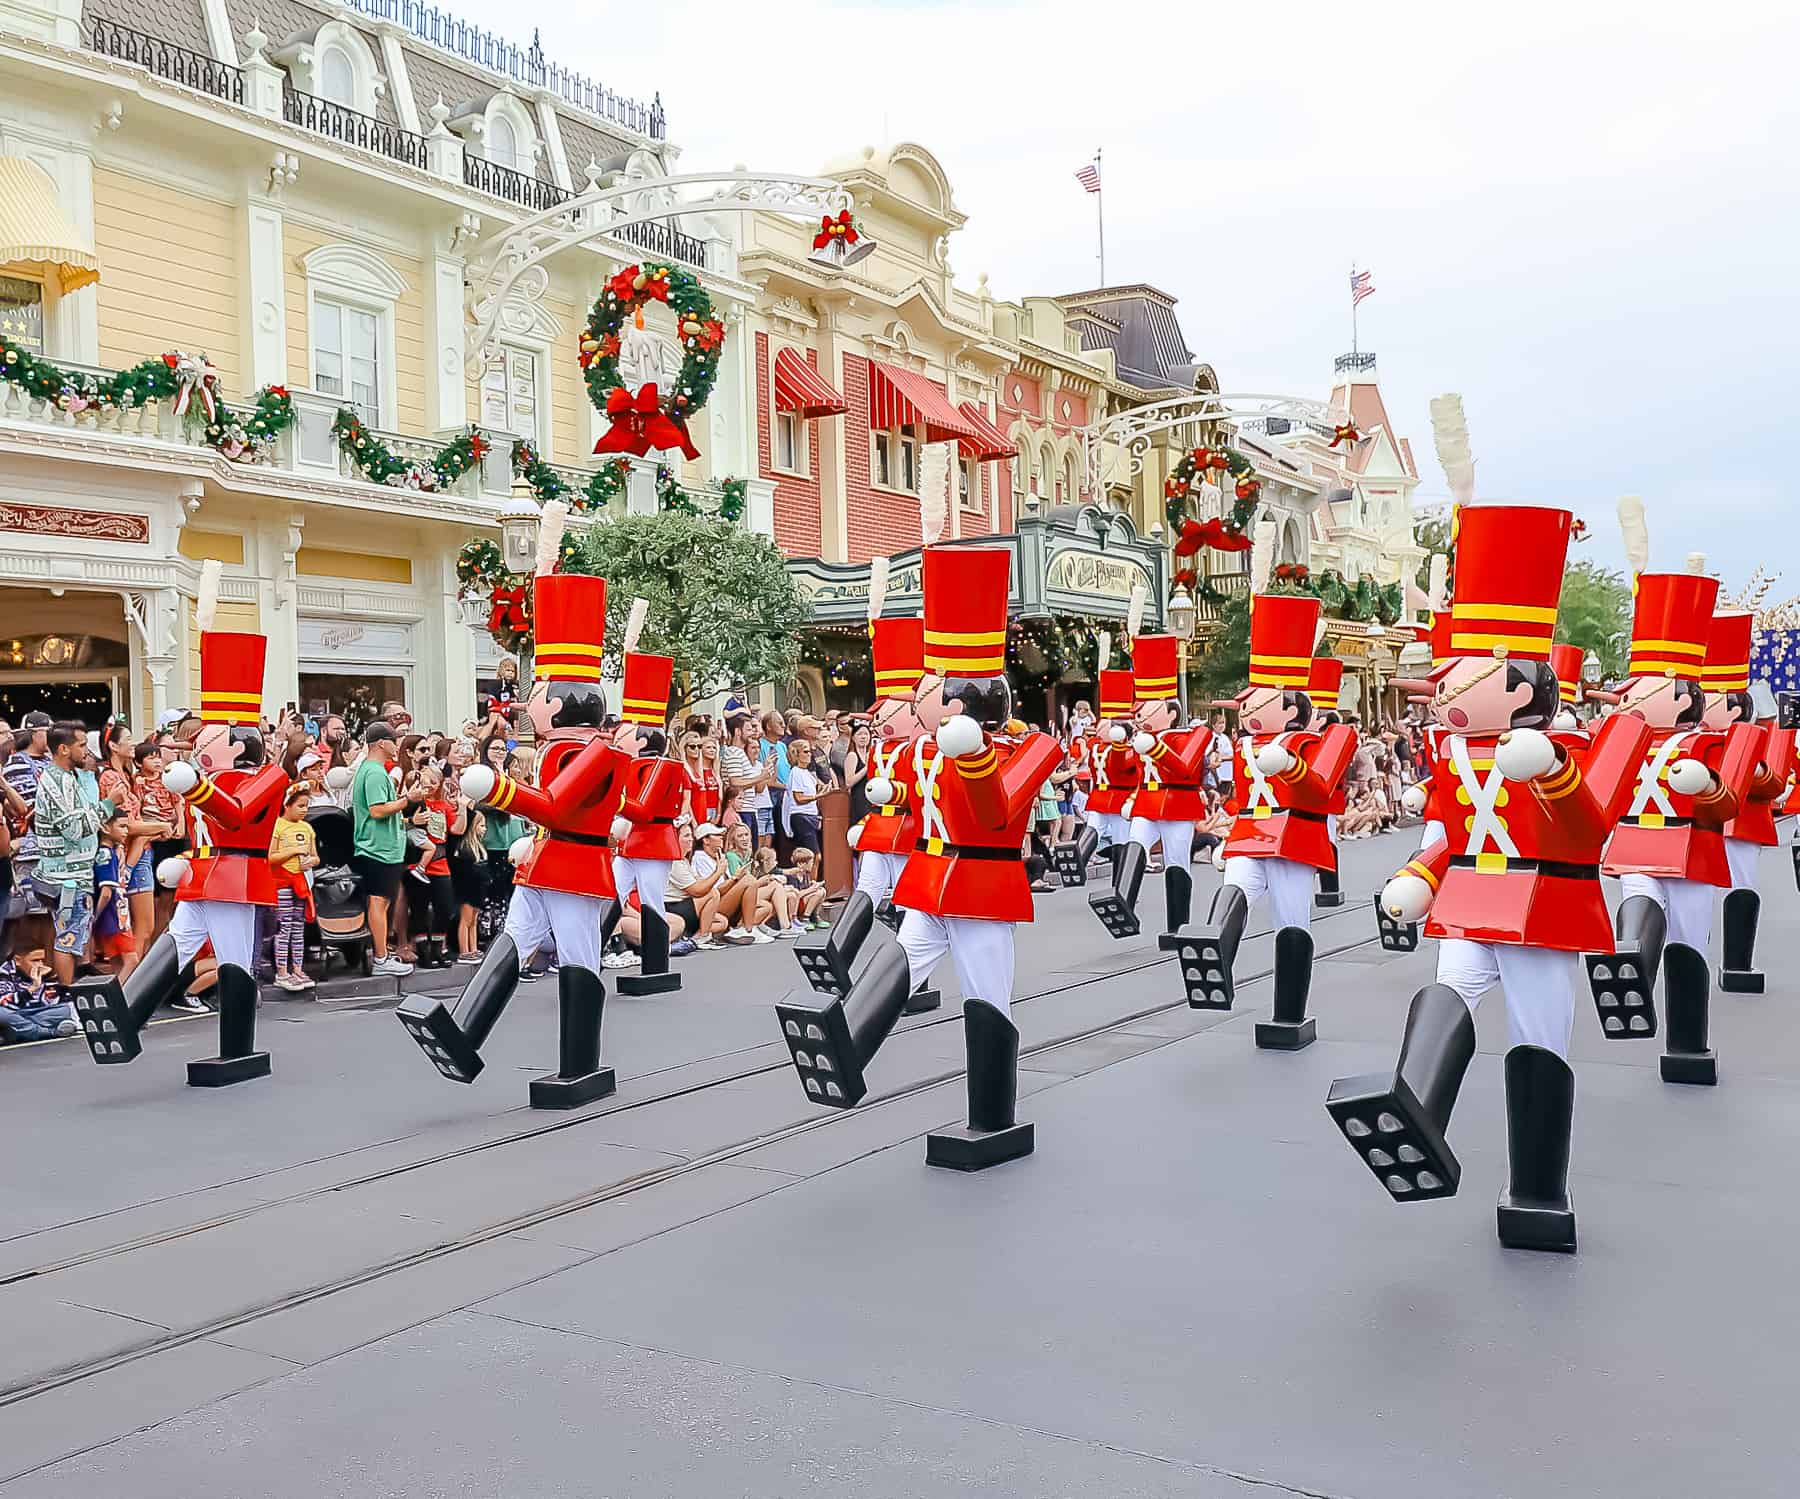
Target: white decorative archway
1131,433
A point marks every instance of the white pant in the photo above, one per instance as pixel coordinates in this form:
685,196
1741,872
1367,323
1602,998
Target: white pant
1687,905
877,874
1177,839
1331,827
229,925
1743,856
1289,886
538,917
1111,826
983,951
1539,983
649,877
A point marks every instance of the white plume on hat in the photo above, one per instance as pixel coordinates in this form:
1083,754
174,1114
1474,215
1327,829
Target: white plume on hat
634,624
878,586
1634,531
1262,555
1104,657
934,490
1450,435
550,536
1134,611
206,607
1439,580
1696,562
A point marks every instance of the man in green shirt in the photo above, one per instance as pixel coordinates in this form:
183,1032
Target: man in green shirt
380,839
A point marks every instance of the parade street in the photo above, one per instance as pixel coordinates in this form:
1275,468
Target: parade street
356,1279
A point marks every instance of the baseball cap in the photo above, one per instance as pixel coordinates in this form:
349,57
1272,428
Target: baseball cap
307,761
36,719
706,830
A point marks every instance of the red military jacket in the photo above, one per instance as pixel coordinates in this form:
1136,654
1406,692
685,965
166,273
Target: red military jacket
1520,864
652,803
1117,774
1755,821
891,829
1662,832
240,808
1283,817
583,781
1171,772
972,815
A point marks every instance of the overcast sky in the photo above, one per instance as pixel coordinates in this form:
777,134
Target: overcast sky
1583,216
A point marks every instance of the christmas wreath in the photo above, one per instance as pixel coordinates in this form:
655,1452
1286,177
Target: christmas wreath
1230,533
646,419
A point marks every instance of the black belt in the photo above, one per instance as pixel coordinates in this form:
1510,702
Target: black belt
969,851
1667,822
662,822
1299,812
1555,868
591,840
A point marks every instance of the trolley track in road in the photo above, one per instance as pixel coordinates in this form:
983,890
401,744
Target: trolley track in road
31,1388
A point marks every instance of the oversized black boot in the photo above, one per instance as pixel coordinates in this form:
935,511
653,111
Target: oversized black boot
1396,936
112,1010
1207,952
890,916
1535,1211
831,1045
1738,974
1291,1028
1178,897
1330,892
1072,858
579,1078
828,958
1397,1123
453,1040
1117,907
653,975
1686,980
238,1060
1624,980
992,1134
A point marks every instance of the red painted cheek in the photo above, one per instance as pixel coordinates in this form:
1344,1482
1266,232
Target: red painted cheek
1458,718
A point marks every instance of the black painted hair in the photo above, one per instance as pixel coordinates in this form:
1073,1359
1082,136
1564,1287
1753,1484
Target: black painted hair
1546,693
1695,704
988,700
578,704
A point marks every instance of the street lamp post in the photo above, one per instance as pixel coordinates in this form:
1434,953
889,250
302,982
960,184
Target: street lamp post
520,521
1181,625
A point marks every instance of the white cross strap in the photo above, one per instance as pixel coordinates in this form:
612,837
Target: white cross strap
927,762
1650,795
1484,797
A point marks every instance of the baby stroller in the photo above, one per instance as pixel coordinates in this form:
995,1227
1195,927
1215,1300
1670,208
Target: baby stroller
341,912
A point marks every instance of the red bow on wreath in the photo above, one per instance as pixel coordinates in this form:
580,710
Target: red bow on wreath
638,425
1193,537
1345,433
507,615
1186,578
1226,540
842,227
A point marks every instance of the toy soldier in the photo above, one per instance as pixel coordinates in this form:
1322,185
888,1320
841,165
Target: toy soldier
563,894
964,886
1512,888
238,791
1286,777
645,843
1117,774
1325,685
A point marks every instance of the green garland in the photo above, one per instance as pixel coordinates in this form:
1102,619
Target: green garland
702,336
608,482
1362,600
1178,488
379,464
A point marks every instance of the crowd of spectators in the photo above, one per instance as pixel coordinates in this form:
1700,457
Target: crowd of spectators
85,823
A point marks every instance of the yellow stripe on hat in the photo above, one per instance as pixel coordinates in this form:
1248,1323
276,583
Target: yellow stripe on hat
1481,641
213,695
569,671
1672,647
1521,613
965,637
570,648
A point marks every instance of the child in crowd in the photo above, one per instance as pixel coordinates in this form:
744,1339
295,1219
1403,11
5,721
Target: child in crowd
112,908
805,891
31,1006
293,855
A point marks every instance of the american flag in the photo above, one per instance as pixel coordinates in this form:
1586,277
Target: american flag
1089,176
1362,284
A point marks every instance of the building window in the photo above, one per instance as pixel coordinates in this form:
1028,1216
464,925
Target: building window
509,394
884,459
337,77
968,485
909,460
347,359
503,142
790,443
22,314
896,455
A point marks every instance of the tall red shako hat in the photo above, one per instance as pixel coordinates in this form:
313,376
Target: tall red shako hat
1509,571
569,621
1324,683
1672,624
1117,691
1155,663
898,646
644,699
965,610
231,661
1727,667
1282,627
1565,660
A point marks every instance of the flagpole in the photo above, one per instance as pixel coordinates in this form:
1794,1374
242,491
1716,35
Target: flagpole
1353,348
1100,212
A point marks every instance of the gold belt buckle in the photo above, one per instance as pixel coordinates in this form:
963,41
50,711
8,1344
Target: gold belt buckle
1260,812
1490,863
1651,820
934,845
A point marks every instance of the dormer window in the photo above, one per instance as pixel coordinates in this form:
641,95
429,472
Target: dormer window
503,143
335,63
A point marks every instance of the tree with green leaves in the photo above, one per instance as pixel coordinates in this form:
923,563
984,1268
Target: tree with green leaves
1594,612
1224,667
722,602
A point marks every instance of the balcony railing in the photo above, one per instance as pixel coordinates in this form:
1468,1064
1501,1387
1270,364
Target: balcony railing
1356,363
1208,611
503,182
190,69
665,241
313,113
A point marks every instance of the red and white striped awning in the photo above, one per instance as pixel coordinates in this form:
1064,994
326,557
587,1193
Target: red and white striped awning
802,389
992,445
900,398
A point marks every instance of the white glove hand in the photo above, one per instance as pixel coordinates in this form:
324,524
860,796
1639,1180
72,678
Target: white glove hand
1219,858
1412,801
478,782
520,850
1525,754
172,874
853,838
1115,733
879,790
181,778
621,829
1565,720
958,735
1143,743
1274,760
338,777
1406,898
1690,778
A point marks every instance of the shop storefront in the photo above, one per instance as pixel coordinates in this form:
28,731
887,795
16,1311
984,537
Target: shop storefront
353,666
1370,661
